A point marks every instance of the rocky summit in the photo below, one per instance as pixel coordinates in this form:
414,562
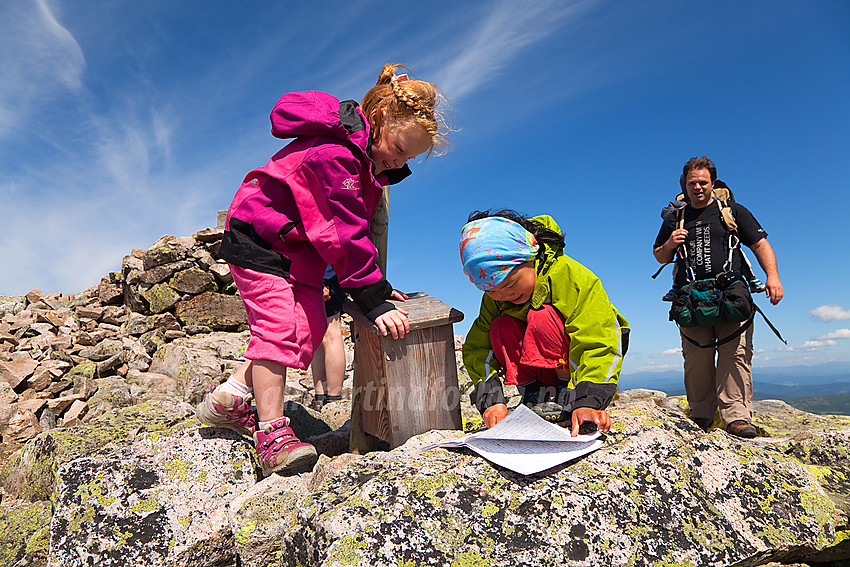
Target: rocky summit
105,464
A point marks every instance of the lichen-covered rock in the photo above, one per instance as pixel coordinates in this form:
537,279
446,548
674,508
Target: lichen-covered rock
24,532
659,493
145,486
214,310
193,281
194,369
164,253
259,515
161,297
160,501
12,304
30,473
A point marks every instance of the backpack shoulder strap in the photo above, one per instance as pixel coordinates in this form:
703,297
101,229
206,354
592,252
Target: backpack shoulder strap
723,196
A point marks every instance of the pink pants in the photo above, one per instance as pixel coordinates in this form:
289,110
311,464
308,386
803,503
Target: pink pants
532,349
287,319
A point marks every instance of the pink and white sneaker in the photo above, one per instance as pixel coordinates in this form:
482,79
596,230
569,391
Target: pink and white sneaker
223,409
279,449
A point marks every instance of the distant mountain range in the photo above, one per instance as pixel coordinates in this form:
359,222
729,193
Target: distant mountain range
822,389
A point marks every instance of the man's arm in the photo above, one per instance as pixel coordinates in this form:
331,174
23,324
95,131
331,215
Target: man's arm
767,260
665,253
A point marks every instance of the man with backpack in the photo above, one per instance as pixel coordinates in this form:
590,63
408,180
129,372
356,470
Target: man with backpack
712,305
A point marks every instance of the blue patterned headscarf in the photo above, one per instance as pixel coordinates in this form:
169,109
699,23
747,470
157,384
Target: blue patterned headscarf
491,247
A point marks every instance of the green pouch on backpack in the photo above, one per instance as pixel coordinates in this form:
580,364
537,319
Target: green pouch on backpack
737,304
723,299
695,304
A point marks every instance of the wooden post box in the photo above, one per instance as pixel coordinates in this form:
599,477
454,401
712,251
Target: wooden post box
407,386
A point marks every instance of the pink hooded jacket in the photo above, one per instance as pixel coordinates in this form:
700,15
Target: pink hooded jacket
311,204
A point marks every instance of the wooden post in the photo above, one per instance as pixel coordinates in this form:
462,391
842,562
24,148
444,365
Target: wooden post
379,229
407,386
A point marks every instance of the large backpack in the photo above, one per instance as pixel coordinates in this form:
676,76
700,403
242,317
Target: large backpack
724,199
726,297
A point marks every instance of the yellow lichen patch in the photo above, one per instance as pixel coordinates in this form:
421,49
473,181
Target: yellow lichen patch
178,468
345,551
489,510
470,558
243,534
145,506
23,529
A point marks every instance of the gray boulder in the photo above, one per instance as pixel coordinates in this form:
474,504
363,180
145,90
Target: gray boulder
194,369
146,486
214,310
659,493
161,501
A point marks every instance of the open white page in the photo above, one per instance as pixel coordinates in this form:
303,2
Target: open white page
526,443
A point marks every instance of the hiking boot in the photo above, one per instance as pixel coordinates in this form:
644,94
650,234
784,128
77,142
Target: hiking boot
703,422
530,394
550,411
742,428
223,409
279,449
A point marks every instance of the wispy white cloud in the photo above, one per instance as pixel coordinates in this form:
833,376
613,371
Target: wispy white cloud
65,59
506,30
809,346
658,367
40,58
830,313
80,201
670,352
836,334
67,242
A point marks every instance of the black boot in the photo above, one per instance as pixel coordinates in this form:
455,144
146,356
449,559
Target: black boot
530,394
556,401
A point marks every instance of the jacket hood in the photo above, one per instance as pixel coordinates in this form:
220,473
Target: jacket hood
548,222
548,251
314,113
318,114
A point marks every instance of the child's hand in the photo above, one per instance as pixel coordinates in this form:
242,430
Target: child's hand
599,417
396,294
494,414
393,322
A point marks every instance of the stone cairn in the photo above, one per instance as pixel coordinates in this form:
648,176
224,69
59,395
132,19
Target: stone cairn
54,347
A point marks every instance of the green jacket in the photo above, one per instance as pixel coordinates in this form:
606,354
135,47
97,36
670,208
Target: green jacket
597,332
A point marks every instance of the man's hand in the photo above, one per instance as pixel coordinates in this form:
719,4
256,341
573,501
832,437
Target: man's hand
393,322
767,260
775,293
599,417
677,238
494,414
667,251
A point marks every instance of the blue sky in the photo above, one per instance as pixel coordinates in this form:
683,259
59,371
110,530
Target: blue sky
123,121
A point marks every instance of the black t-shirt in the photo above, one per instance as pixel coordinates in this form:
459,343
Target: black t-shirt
707,242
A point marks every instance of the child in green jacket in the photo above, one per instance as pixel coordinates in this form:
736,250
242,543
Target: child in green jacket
545,325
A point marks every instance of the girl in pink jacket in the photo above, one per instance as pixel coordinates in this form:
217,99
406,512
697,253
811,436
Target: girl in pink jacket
307,208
